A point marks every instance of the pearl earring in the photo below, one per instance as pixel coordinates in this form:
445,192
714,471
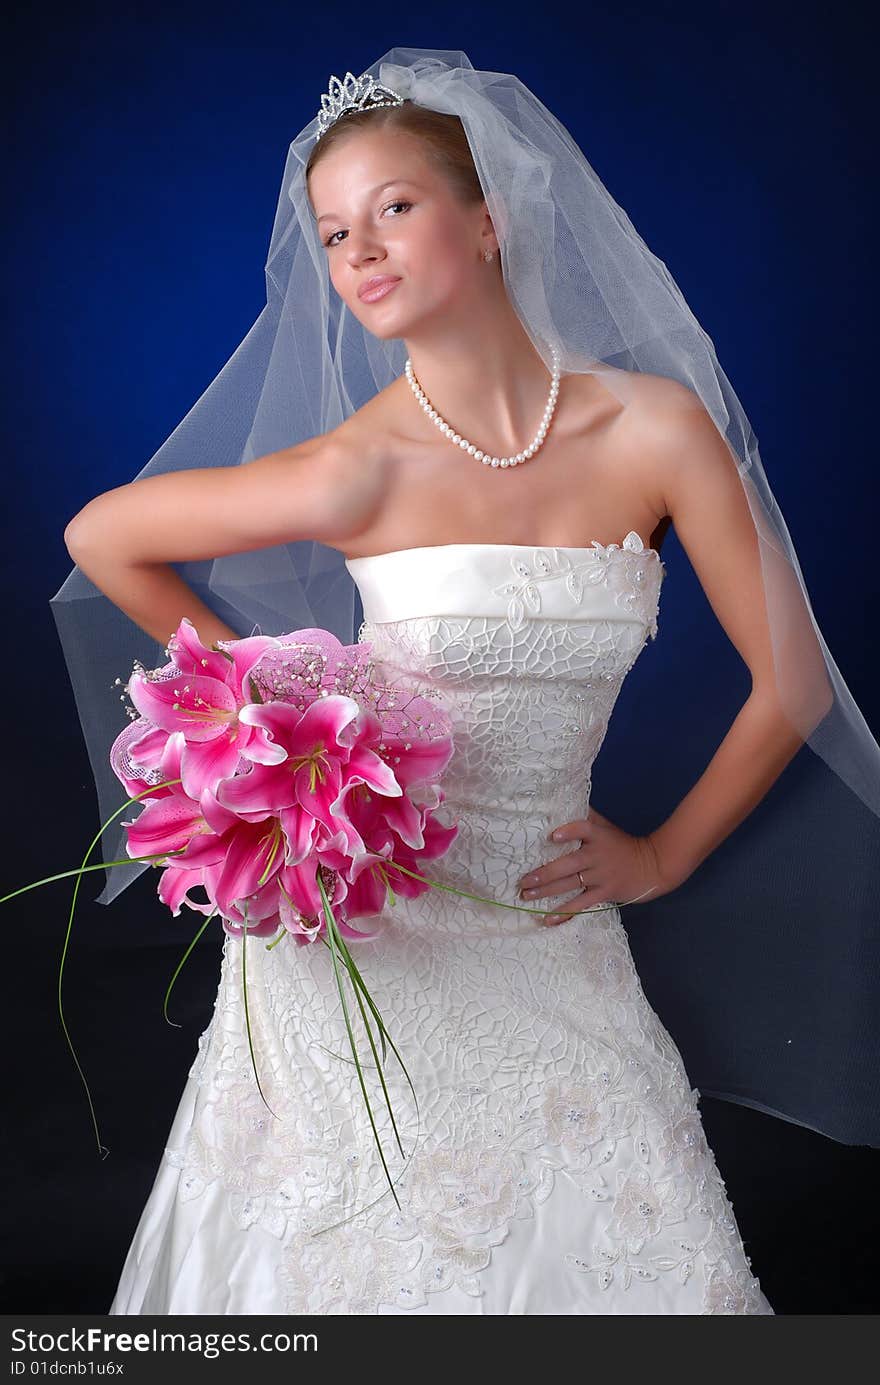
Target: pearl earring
487,255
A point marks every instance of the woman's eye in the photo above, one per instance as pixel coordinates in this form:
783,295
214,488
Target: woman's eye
331,239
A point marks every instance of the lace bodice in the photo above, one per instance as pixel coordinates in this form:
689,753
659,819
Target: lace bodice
538,1063
527,649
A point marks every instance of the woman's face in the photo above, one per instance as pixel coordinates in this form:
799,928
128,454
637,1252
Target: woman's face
384,210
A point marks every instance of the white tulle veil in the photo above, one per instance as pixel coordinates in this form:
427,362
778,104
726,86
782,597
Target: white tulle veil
764,964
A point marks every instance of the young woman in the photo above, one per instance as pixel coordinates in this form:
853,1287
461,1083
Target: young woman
500,505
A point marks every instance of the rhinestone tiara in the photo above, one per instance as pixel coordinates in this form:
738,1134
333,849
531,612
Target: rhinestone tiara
353,94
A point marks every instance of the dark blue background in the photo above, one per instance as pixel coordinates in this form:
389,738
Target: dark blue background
145,165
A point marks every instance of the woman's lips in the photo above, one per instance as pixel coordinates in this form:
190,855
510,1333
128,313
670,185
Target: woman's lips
373,295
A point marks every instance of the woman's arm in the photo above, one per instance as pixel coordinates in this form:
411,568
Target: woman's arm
124,539
750,758
705,497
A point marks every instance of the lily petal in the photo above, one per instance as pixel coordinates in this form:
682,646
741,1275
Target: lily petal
204,763
200,707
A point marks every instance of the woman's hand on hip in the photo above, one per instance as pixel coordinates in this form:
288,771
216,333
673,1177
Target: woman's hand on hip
608,866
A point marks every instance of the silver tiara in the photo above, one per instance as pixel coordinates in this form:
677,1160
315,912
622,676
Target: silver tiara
353,94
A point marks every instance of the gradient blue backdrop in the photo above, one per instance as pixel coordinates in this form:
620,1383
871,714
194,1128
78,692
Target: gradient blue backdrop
147,152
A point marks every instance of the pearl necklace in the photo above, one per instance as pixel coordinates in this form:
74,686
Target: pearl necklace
486,457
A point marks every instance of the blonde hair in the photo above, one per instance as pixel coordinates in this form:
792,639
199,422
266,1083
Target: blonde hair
443,136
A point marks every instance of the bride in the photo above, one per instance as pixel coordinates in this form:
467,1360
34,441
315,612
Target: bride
557,1163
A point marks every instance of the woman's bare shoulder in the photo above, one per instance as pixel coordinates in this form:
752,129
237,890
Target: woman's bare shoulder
656,421
674,443
379,422
647,396
359,469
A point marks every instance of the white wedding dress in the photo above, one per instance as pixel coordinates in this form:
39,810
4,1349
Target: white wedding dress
557,1163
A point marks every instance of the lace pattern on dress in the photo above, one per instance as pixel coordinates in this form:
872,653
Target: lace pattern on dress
631,571
584,1079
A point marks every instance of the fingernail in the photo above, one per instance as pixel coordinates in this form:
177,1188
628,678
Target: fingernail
557,836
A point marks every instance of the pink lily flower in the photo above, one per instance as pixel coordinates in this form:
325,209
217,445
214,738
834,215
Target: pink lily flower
201,693
171,821
324,755
438,840
302,910
366,875
230,868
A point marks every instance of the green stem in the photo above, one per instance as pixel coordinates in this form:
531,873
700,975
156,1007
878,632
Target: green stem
179,967
246,1012
500,904
357,980
102,1150
338,950
360,990
158,856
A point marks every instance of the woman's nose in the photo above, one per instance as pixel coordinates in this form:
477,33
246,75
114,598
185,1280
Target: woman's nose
362,248
368,258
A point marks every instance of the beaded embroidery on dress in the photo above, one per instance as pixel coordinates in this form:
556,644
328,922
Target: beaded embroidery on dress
557,1163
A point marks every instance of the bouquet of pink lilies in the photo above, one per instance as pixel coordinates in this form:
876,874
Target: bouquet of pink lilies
285,779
